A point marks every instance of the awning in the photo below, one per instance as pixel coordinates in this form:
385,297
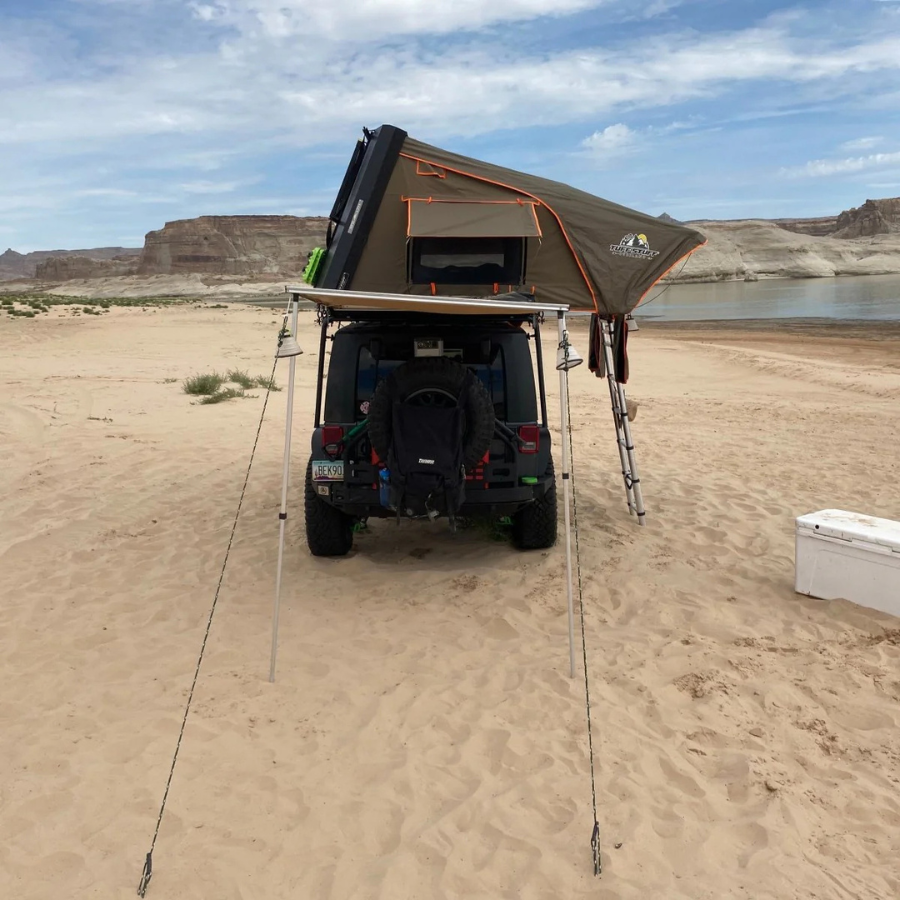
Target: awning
459,306
477,219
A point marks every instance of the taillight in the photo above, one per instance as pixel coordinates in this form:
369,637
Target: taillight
529,438
332,438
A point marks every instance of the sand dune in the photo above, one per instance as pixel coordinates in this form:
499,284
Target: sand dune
423,739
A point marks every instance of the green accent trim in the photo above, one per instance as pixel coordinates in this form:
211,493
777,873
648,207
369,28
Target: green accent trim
529,479
311,272
356,429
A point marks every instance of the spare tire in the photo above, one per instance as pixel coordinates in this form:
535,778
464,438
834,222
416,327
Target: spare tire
434,381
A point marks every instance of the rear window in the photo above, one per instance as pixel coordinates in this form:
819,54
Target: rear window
371,372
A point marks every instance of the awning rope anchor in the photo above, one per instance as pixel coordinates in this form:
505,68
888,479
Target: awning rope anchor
147,872
595,833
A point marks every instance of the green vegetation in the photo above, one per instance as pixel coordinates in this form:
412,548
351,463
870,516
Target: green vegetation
238,376
227,394
266,383
212,387
203,384
27,305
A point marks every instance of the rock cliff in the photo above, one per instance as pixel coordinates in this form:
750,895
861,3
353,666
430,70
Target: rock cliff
755,249
872,218
24,265
819,227
66,268
232,245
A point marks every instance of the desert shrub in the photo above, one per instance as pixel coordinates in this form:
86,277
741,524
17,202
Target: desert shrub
226,394
237,376
203,384
268,384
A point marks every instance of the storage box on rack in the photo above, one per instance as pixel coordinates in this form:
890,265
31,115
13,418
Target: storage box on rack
849,556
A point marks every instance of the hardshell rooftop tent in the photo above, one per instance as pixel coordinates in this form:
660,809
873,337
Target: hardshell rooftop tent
415,219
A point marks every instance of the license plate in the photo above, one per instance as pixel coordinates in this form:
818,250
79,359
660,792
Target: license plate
328,471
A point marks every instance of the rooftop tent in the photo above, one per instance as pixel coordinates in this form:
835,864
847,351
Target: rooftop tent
415,219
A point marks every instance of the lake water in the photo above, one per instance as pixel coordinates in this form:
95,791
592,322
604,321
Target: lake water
873,297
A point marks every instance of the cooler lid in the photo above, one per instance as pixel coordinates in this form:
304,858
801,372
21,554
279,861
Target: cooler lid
850,526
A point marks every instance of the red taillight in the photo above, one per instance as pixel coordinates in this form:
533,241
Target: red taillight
529,438
332,438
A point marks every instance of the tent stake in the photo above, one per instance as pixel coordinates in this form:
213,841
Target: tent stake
564,419
282,515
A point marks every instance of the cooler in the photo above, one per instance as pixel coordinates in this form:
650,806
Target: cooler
849,556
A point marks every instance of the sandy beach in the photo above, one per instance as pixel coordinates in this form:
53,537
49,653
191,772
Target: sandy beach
423,738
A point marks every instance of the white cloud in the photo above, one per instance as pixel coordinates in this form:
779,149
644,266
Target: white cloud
263,87
235,82
611,141
863,143
819,168
371,19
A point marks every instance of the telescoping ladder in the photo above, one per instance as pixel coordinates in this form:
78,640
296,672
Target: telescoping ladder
623,429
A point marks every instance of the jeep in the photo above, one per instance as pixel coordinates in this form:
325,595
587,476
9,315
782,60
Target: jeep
429,416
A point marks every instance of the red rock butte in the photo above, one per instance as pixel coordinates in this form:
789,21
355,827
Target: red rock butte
232,245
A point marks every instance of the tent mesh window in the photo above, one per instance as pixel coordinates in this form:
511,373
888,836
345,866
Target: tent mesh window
466,260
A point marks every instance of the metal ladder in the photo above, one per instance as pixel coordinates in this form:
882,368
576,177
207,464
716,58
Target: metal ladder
623,429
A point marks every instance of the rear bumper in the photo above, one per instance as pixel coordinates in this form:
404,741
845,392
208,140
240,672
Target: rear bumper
363,500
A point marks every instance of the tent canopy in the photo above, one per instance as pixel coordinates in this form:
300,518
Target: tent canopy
562,244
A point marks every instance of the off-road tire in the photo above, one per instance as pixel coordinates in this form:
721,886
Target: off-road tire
329,532
440,374
534,526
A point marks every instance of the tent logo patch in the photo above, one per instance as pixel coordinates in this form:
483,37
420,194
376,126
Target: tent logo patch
634,246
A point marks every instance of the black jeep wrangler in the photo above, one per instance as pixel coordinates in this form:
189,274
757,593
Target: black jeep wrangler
428,416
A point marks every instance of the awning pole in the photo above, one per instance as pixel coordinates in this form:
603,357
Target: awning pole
564,420
282,515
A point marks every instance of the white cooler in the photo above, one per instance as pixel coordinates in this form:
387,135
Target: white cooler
849,556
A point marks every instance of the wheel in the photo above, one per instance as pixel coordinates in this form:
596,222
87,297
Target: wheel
329,532
434,382
534,526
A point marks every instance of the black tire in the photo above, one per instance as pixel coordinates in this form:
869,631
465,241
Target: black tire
535,526
440,377
329,532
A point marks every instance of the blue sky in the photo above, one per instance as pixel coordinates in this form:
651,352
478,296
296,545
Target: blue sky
119,115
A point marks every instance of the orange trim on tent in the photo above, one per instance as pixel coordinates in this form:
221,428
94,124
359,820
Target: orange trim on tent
440,174
658,280
517,202
537,224
508,187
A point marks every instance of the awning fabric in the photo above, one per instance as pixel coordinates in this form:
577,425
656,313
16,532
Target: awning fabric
477,219
506,304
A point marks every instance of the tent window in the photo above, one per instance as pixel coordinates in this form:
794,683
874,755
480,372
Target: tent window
473,219
467,260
